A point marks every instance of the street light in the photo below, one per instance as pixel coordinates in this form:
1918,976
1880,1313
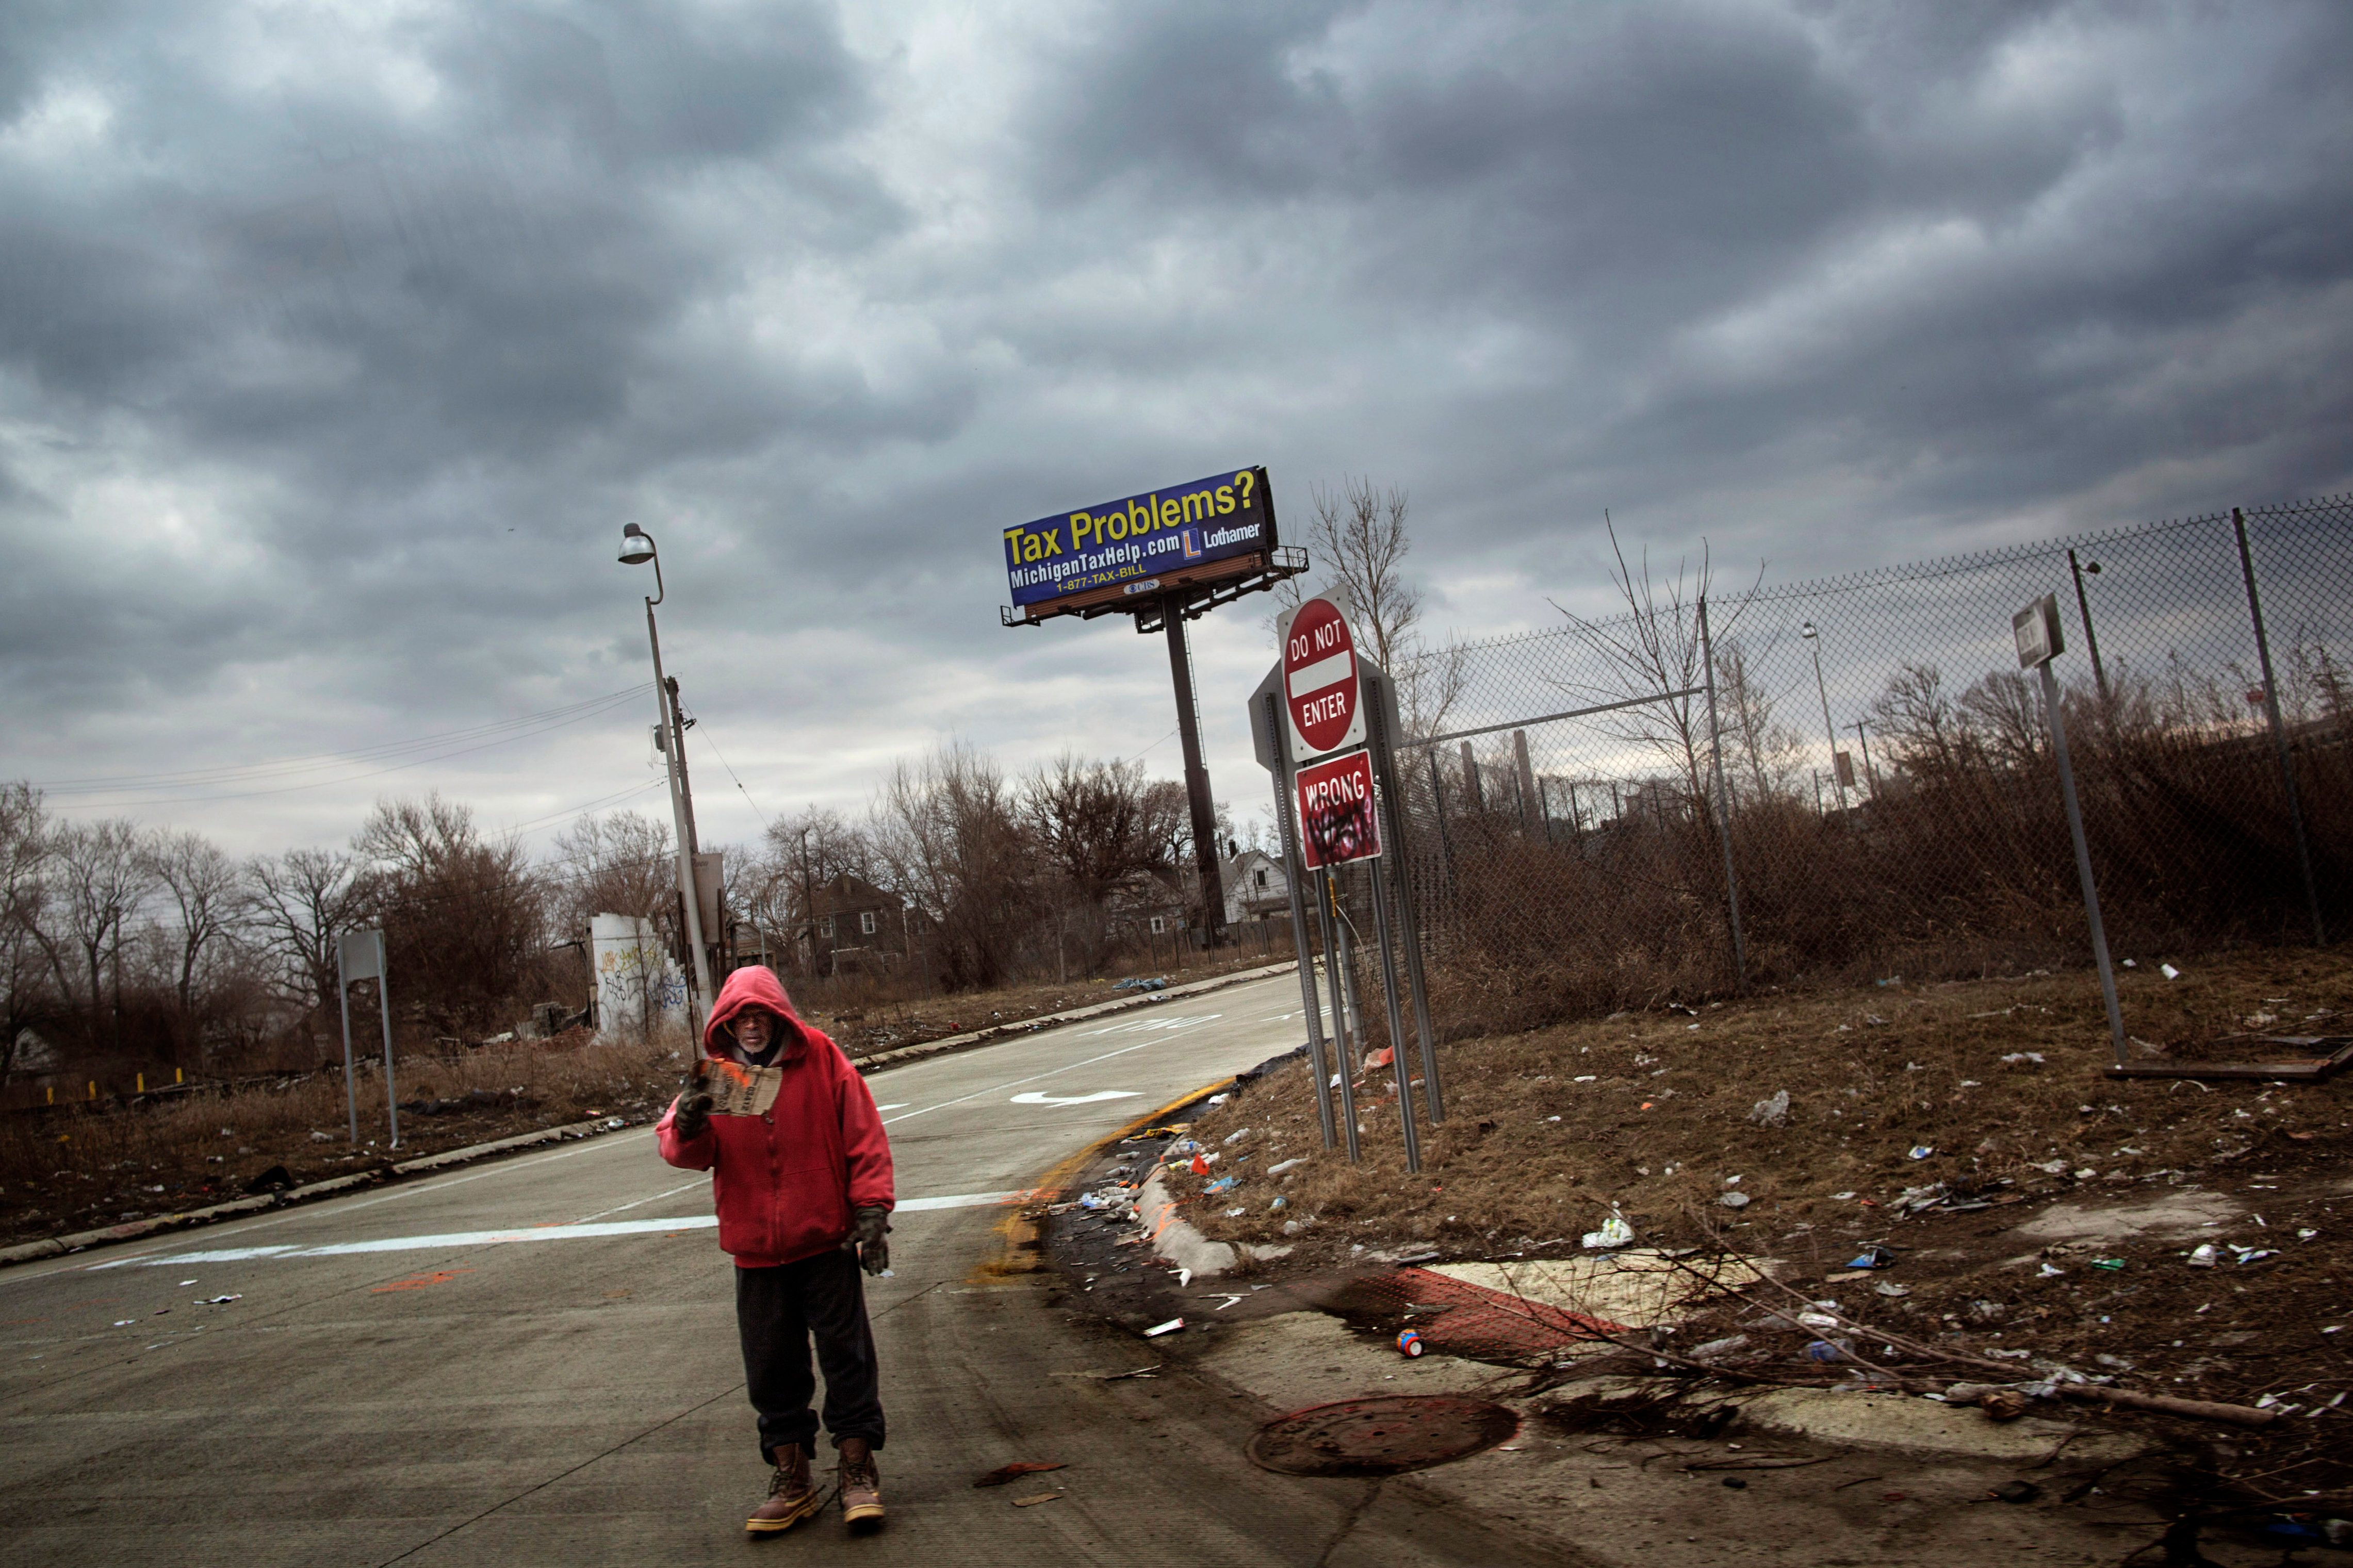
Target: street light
1814,637
637,549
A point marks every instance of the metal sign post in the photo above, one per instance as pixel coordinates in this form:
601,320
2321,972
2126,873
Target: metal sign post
1385,725
2036,627
1265,709
1341,731
1337,962
360,956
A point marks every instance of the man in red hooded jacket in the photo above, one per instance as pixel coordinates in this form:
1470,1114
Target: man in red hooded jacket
804,1196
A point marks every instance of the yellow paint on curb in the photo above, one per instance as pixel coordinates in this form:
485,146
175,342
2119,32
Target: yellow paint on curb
1017,1233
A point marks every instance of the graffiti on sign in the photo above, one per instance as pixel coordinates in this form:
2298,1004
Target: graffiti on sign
1336,819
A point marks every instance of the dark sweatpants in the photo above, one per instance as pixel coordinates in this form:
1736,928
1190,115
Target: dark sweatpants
777,1311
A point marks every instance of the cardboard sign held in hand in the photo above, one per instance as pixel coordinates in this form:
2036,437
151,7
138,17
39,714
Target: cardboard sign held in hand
738,1090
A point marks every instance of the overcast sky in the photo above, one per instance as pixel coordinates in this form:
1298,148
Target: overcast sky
338,340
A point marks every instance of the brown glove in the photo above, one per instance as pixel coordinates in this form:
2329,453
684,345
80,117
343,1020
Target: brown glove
868,1227
694,1103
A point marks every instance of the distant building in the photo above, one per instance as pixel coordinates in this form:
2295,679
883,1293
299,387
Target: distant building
854,924
1255,887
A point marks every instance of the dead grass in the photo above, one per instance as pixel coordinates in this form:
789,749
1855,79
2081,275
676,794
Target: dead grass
1649,1111
75,1169
1530,1158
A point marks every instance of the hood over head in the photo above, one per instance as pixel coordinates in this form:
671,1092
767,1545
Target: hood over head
756,987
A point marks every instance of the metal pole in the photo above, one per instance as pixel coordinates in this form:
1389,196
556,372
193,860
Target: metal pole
2279,731
1293,872
1344,1063
2083,859
1722,808
1197,773
1829,728
384,996
1527,778
2091,637
1869,772
351,1091
1437,806
695,1002
1397,1021
1391,798
695,852
1471,780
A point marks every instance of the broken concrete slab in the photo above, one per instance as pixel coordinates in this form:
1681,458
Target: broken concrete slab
2178,1213
1638,1289
1927,1427
1301,1359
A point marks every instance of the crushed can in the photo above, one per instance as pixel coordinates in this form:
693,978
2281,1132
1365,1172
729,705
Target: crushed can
1409,1343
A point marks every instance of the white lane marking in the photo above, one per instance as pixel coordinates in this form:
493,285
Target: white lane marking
624,1208
900,1105
1033,1077
1038,1097
350,1205
464,1238
1144,1026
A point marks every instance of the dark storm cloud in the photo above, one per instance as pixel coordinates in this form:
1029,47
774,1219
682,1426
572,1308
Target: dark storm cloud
335,347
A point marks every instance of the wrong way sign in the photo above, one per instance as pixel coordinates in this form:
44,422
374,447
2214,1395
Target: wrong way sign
1320,687
1336,819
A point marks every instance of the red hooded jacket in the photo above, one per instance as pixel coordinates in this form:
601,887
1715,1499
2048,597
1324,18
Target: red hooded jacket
784,1181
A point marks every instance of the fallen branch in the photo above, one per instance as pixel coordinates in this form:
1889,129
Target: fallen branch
2195,1409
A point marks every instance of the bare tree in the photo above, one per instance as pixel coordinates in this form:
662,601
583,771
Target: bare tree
206,890
100,874
1653,651
462,914
1922,732
2004,715
622,863
296,904
1767,750
947,832
1099,823
1361,536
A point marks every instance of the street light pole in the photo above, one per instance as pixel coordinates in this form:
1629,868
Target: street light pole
637,548
1811,635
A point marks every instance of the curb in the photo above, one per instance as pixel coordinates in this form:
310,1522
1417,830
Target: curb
899,1053
139,1229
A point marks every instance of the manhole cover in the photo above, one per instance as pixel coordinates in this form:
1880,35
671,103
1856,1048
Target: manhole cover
1380,1437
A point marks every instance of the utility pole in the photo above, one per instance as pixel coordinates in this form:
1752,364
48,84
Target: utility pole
637,548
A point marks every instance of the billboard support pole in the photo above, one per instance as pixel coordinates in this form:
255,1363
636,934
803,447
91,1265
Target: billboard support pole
1197,775
1295,871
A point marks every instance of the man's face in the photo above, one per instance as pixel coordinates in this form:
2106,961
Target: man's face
754,1028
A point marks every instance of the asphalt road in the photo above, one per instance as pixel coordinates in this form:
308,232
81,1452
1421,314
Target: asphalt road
534,1361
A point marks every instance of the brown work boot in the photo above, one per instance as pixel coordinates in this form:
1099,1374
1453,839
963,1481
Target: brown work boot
861,1487
792,1497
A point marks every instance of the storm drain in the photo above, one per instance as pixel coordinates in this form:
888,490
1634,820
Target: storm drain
1383,1436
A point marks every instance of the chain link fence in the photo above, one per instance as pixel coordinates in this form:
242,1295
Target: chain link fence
1852,777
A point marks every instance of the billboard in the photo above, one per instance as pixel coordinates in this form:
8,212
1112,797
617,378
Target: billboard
1206,532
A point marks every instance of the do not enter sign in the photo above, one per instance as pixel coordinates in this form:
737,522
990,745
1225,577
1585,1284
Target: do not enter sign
1319,681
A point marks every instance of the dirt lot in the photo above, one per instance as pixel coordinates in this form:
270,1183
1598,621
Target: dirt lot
2037,1212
